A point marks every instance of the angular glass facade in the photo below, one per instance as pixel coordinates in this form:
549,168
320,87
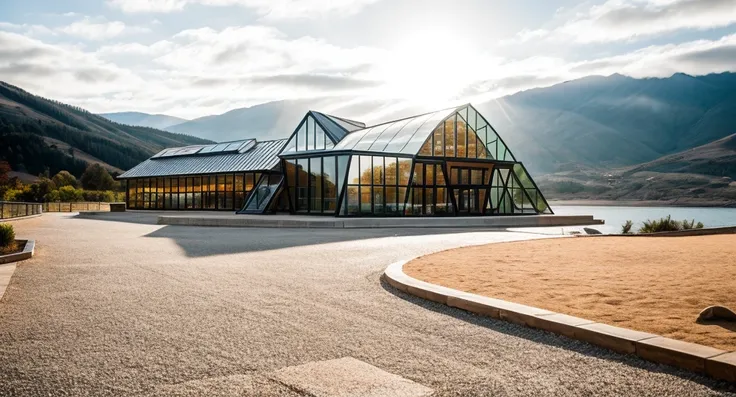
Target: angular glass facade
445,163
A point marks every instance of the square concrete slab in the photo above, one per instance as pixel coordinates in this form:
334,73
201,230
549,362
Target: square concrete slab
348,377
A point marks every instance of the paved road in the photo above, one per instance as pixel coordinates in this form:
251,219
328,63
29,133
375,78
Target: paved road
115,308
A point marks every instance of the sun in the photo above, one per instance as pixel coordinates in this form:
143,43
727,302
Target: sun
430,67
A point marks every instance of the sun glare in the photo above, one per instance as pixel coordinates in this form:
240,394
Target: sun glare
430,67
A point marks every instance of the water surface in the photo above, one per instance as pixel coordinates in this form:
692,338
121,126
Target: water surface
615,216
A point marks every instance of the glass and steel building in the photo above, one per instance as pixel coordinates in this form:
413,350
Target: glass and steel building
446,163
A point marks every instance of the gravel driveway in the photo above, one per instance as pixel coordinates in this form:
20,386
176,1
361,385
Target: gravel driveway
110,308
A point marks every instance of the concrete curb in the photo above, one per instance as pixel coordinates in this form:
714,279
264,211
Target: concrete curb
710,231
705,360
20,218
7,264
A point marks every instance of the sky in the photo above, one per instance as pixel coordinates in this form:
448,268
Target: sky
191,58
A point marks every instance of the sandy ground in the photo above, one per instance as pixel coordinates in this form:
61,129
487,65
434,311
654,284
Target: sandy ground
132,308
656,285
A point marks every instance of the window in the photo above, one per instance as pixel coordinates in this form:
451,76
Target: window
302,185
329,181
315,184
229,191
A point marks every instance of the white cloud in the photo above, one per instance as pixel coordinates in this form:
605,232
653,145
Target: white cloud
56,70
259,49
204,71
148,5
99,29
270,9
697,57
27,29
619,20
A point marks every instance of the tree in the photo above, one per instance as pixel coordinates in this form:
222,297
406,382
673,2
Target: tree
64,178
69,194
38,191
96,177
4,173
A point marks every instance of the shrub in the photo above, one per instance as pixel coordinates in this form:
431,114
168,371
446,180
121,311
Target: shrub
661,225
626,228
687,225
103,196
70,194
13,195
7,235
668,225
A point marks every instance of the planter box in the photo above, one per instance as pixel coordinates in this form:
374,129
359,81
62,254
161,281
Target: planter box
26,253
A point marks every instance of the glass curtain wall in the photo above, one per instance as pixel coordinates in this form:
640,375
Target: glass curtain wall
309,136
510,194
314,184
227,192
377,185
466,134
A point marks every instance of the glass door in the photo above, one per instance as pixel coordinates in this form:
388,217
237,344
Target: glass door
469,188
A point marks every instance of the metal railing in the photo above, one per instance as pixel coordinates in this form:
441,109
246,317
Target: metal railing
13,209
79,206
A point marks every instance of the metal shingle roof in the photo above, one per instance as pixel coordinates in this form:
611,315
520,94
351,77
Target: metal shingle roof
264,156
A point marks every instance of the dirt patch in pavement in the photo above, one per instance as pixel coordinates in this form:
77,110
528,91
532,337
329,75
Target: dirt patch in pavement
653,284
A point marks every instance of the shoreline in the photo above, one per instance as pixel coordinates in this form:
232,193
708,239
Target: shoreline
640,203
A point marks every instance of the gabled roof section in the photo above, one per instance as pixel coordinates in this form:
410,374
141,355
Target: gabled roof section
347,124
335,130
262,156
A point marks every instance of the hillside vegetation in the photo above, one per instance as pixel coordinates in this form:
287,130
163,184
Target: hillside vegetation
39,135
702,175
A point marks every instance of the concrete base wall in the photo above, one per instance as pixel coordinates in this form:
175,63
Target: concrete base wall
297,221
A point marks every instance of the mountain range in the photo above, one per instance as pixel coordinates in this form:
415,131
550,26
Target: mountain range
39,135
158,121
598,122
613,137
614,121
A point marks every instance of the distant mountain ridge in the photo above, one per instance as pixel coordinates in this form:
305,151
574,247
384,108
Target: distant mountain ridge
614,121
270,120
599,122
158,121
39,134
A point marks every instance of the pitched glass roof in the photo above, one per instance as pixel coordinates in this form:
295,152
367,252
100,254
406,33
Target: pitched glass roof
403,136
349,125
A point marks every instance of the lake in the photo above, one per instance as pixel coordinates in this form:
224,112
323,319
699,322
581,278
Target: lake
616,216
